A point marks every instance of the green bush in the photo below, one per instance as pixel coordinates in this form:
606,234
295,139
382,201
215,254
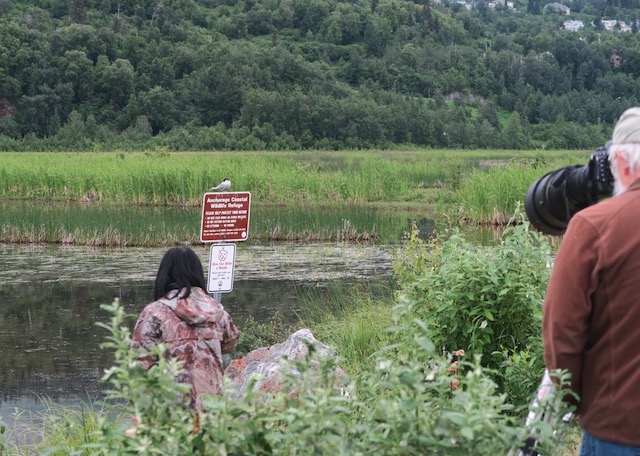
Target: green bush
412,402
486,300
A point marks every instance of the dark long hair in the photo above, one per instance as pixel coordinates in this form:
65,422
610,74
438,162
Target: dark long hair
180,268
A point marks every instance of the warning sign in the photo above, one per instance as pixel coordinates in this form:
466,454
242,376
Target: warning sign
221,265
225,216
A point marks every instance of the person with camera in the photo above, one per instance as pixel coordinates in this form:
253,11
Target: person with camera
591,323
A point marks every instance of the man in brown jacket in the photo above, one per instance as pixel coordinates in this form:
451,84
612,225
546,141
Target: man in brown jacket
591,323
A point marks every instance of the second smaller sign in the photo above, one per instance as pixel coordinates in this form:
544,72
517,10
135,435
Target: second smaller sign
221,265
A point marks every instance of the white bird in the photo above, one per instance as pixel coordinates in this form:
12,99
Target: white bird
224,186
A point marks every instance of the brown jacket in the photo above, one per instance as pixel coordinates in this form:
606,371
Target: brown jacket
197,330
592,315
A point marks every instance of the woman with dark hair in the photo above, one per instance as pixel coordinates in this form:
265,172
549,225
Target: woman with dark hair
195,328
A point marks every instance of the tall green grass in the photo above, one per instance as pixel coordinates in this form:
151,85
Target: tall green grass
492,196
162,178
57,430
182,178
354,321
479,187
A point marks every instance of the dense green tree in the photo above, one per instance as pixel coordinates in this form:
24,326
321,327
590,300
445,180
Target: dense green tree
514,134
114,81
310,73
534,6
77,69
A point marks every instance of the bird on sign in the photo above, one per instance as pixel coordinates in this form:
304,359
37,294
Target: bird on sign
223,186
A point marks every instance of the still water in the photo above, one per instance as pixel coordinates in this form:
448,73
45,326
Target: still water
51,295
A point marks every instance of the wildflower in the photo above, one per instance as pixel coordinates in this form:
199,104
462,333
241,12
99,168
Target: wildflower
132,431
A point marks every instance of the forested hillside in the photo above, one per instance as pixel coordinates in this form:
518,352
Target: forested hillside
298,74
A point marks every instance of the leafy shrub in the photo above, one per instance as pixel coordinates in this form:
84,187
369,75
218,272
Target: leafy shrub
414,402
520,372
484,299
415,257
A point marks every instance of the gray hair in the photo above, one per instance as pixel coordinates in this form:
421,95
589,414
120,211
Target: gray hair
631,153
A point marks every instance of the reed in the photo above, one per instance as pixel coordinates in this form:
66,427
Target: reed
37,222
180,179
57,429
353,321
104,193
492,195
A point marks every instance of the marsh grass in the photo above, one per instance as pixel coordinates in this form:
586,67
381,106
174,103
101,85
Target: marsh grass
491,194
180,179
492,197
115,225
96,225
58,429
354,321
108,199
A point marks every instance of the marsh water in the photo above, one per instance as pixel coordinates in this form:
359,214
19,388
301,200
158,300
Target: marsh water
50,294
51,297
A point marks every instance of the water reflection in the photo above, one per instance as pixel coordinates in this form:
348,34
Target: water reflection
109,224
51,297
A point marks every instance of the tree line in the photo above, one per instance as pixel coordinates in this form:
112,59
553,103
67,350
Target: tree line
305,74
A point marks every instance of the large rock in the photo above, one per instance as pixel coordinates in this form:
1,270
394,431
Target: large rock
264,363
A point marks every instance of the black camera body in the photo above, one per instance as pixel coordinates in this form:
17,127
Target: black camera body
553,199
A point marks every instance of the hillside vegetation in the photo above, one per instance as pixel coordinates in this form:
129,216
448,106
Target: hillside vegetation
311,74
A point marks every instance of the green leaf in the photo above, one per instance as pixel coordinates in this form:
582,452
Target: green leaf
488,314
467,433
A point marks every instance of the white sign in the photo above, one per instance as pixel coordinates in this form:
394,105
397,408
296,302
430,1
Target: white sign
221,265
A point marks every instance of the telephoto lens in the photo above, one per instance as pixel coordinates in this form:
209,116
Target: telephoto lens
557,196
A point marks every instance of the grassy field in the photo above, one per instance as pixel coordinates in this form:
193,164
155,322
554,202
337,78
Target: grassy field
98,198
163,178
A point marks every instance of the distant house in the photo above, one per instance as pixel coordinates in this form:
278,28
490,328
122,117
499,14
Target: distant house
556,8
574,26
507,3
614,24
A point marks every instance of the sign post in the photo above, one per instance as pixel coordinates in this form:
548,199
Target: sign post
225,218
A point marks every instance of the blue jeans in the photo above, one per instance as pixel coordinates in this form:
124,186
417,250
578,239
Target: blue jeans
592,446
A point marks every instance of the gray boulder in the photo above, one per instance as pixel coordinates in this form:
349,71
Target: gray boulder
265,364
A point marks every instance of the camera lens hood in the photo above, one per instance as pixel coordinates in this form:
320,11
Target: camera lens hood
541,204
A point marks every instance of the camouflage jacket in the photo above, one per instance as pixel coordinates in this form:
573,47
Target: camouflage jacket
196,330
